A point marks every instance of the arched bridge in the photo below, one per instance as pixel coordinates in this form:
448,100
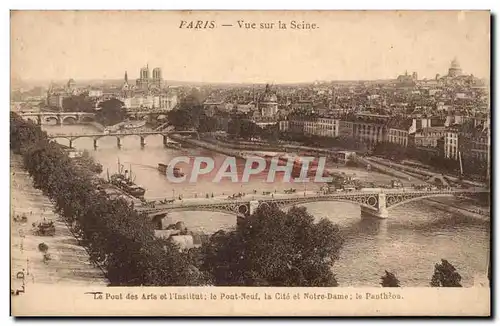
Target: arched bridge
372,203
120,135
59,117
43,117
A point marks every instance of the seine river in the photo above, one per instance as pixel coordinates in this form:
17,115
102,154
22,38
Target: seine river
408,243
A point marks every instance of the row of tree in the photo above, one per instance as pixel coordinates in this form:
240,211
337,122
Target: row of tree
445,275
117,237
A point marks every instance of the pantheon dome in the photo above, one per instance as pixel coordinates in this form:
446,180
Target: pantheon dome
455,69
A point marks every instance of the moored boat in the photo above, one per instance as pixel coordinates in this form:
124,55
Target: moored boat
164,167
123,181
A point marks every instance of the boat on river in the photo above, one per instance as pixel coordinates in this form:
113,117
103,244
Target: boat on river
173,145
163,170
124,180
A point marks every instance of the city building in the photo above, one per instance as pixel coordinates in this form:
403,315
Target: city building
451,146
268,103
481,146
369,132
296,126
146,81
398,131
56,95
148,93
310,127
283,125
346,128
56,99
427,136
327,127
97,93
407,80
164,102
454,70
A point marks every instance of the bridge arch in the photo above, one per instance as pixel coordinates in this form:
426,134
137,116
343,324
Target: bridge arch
398,200
32,119
52,118
69,120
235,209
160,214
370,202
66,141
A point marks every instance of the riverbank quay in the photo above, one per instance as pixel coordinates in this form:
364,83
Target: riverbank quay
68,263
387,170
206,145
117,237
477,213
425,173
267,147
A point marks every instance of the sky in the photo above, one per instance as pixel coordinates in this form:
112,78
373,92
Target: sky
355,45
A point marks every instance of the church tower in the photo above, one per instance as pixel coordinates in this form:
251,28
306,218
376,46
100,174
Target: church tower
125,87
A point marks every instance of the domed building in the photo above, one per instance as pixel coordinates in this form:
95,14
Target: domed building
454,70
71,83
268,103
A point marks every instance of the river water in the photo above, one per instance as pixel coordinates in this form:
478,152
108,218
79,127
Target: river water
408,243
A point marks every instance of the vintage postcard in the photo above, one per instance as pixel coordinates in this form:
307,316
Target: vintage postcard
250,163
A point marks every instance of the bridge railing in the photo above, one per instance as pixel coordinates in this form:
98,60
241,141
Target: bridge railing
194,200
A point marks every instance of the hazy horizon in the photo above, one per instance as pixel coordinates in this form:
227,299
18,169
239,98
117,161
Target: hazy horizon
348,46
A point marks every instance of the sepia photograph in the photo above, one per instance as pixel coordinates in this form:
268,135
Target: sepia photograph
250,163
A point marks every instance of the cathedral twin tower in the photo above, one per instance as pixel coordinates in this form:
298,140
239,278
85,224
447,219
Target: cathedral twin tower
146,81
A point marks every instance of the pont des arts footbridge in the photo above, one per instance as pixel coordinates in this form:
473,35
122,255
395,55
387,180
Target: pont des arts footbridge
376,203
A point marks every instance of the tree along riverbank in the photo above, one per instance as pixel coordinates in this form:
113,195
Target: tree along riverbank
116,236
64,260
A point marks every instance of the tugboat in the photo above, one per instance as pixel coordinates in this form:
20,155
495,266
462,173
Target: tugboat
163,170
173,145
123,180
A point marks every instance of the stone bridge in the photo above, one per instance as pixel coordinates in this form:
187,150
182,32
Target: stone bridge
60,118
375,204
119,135
43,117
